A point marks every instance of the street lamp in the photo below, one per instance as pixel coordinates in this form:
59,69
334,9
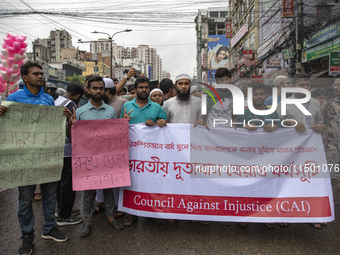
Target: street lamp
110,38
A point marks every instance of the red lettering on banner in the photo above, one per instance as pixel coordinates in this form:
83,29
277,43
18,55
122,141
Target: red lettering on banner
300,207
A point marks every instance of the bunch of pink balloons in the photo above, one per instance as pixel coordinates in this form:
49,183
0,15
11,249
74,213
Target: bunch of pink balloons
12,58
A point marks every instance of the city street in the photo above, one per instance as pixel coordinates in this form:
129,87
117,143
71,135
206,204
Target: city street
181,237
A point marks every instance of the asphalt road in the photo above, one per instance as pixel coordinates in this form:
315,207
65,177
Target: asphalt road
181,237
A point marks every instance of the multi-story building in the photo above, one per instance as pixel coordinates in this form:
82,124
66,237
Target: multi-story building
58,39
165,75
244,15
316,23
104,46
148,55
320,31
210,21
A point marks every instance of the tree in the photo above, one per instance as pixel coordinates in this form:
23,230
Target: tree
76,78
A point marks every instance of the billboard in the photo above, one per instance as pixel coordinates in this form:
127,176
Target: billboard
287,8
218,54
334,63
228,29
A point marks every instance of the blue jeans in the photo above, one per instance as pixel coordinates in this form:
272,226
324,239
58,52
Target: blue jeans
25,211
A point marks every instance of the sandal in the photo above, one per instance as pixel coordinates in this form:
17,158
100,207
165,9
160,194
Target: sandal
97,209
315,225
324,224
269,226
283,225
118,214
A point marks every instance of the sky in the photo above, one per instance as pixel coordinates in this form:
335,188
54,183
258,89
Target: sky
166,25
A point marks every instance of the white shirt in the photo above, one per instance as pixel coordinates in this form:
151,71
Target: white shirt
183,111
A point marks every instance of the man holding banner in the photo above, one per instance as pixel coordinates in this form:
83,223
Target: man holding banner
259,97
183,108
142,110
96,109
33,93
314,122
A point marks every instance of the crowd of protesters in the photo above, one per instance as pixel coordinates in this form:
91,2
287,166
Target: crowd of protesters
152,103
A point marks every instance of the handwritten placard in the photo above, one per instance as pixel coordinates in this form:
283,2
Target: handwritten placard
100,154
32,141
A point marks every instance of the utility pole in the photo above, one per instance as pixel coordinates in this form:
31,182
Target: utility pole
110,38
299,37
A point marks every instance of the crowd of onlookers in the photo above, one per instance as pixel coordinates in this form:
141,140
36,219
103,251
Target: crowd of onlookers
154,103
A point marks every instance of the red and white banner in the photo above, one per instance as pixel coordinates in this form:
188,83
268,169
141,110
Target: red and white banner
243,30
204,60
227,175
274,63
258,78
248,54
228,29
287,8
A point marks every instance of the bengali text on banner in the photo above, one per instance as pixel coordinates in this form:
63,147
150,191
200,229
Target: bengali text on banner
100,154
178,172
32,141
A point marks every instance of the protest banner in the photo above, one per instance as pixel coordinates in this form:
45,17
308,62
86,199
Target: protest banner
32,141
227,175
100,154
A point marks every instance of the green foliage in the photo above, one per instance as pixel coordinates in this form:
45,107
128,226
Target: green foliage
76,78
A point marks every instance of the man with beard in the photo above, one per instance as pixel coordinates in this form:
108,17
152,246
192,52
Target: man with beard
183,108
259,96
314,121
93,110
33,93
110,98
142,109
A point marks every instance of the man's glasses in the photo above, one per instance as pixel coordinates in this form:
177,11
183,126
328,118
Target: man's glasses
336,85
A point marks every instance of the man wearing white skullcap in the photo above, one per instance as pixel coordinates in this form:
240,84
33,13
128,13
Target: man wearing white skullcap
111,98
279,82
183,108
156,95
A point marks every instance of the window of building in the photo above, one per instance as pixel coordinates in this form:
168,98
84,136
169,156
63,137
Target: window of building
246,44
251,41
266,5
211,26
220,25
221,32
223,14
251,19
214,14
